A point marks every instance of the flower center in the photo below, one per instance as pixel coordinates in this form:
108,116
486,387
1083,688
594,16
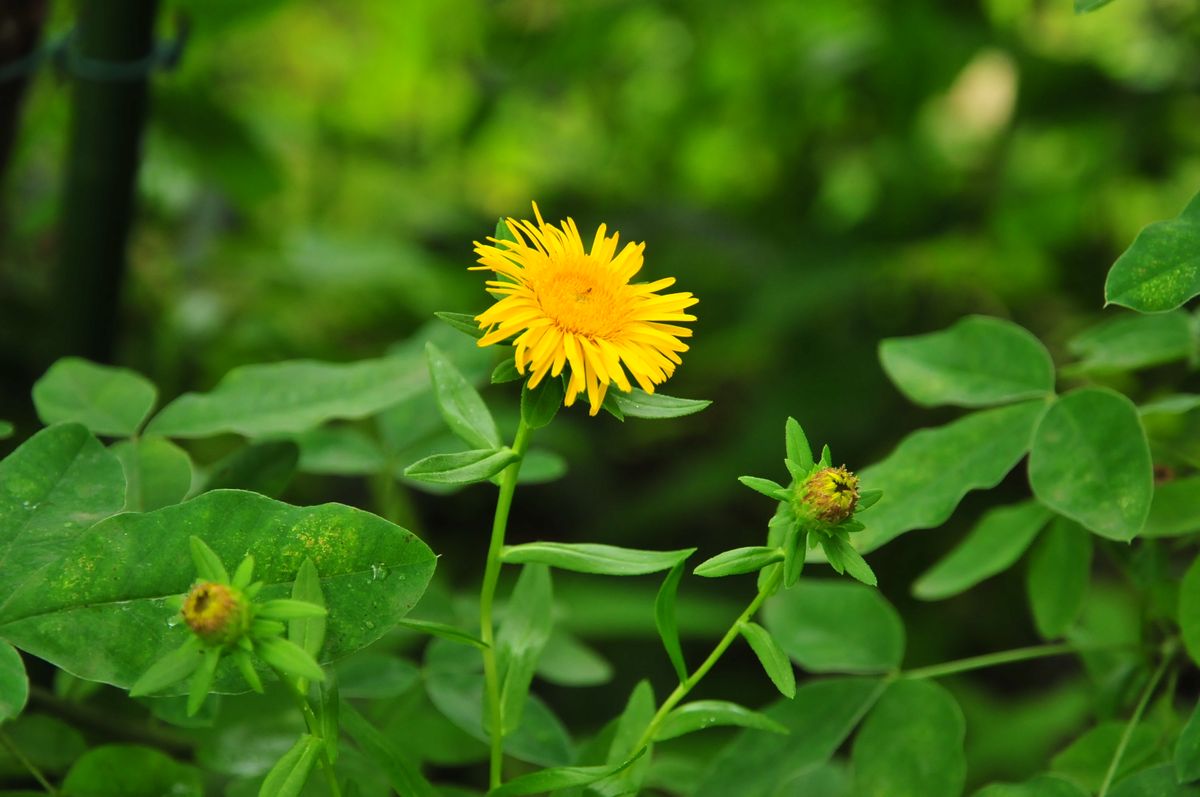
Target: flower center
581,298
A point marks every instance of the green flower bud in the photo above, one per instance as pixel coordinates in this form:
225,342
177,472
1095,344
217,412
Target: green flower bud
829,495
217,613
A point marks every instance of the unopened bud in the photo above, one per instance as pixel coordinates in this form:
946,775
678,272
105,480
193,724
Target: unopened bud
217,613
829,495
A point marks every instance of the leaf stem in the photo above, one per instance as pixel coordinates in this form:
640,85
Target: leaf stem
8,745
988,660
1127,734
685,686
295,689
487,595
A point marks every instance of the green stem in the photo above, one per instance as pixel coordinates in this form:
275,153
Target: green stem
8,745
685,686
296,690
1127,734
989,660
487,595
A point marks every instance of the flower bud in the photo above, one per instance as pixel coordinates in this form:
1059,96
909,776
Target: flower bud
829,495
217,613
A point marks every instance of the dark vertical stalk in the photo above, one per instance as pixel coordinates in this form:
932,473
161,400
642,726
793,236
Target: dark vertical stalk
21,23
107,117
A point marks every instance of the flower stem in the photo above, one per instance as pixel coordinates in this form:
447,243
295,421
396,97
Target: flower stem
1127,734
685,686
487,595
297,691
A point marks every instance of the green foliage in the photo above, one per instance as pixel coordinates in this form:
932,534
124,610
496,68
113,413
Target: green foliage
830,626
1130,342
1161,270
701,714
158,473
108,401
603,560
130,771
1060,571
14,683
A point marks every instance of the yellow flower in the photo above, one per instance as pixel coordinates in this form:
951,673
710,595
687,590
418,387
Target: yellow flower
570,307
831,494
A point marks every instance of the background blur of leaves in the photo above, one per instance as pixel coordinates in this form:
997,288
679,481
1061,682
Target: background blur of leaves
821,173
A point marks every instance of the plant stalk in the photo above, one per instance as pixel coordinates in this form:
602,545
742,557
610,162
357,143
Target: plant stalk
1127,734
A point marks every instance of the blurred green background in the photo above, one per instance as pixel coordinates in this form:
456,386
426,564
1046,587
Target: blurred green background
822,174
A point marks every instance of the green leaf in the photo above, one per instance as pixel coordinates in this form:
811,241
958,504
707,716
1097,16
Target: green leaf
798,449
1087,759
108,401
405,778
1041,786
630,725
1175,508
123,770
567,661
602,560
737,561
764,486
541,404
169,669
291,772
372,676
1060,570
1087,6
505,372
265,468
758,763
288,658
911,744
977,362
460,404
1189,610
557,778
665,619
795,544
1130,342
114,585
844,559
655,406
836,626
1090,461
464,467
14,683
521,637
1156,781
308,632
340,451
774,661
158,473
991,547
209,566
463,322
931,470
444,631
1187,750
1161,270
55,485
702,714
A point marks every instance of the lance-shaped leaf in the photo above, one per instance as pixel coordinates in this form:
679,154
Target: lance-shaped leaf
464,467
115,585
521,637
1134,341
602,560
639,711
666,620
291,771
738,561
701,714
460,404
108,401
1161,270
655,406
774,661
548,780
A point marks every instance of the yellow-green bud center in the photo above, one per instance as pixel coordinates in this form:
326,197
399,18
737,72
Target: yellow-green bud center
830,494
217,613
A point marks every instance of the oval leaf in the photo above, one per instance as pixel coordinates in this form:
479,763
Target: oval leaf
1060,570
702,714
978,362
992,546
835,626
114,585
737,561
123,770
603,560
640,404
14,683
460,404
1161,270
1090,461
108,401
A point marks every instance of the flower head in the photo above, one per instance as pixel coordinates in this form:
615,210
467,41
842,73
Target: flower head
566,306
217,613
830,494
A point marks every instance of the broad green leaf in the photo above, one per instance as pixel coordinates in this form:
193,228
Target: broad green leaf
1090,461
1189,610
308,632
758,763
568,661
666,619
991,547
125,770
158,473
774,661
108,401
638,713
911,744
405,778
548,780
1161,270
464,467
1060,570
1156,781
541,404
738,561
977,362
1133,341
463,322
14,683
1175,508
640,404
292,397
372,572
932,469
460,404
340,451
836,626
265,468
444,631
701,714
373,676
55,485
1041,786
521,637
603,560
1187,750
290,773
1087,759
